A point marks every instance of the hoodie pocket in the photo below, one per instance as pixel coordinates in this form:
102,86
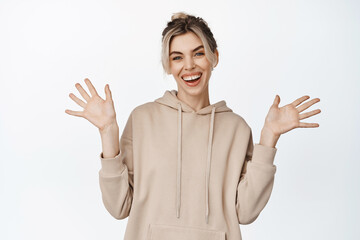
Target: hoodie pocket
171,232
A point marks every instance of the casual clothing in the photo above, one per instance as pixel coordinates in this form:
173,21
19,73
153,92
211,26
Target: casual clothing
186,174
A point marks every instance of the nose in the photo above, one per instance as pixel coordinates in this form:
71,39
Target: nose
189,63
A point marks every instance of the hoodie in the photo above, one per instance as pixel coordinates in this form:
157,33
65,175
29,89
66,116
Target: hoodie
186,174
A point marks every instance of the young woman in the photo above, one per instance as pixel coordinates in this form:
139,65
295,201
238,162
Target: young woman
185,168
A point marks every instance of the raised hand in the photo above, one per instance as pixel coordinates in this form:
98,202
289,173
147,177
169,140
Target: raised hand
286,118
98,111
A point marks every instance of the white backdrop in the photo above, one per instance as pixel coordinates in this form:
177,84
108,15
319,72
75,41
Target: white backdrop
49,160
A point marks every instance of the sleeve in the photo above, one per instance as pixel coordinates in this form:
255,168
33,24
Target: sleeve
116,177
256,181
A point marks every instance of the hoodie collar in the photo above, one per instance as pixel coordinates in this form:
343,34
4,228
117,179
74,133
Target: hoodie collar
170,99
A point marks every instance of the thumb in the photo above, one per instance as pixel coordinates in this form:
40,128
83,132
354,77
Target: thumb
108,93
276,101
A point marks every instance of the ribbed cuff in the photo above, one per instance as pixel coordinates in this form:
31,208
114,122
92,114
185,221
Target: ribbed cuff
263,154
111,166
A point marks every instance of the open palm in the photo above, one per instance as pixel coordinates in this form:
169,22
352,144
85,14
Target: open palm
98,111
283,119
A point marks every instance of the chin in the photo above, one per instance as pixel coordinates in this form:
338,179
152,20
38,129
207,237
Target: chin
196,90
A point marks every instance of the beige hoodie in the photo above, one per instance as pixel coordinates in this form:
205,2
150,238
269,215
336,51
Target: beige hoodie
186,175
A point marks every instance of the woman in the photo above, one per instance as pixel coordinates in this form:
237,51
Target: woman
185,168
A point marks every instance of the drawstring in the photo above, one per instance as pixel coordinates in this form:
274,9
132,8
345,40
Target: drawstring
178,187
208,162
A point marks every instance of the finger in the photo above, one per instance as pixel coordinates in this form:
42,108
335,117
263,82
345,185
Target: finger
308,125
74,113
82,92
77,100
108,93
276,101
309,114
308,104
299,100
91,87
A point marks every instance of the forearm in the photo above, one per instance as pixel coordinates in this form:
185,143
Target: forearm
110,140
256,182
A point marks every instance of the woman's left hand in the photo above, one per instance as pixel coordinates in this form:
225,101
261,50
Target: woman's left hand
286,118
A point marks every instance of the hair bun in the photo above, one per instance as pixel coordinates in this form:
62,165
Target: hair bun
179,15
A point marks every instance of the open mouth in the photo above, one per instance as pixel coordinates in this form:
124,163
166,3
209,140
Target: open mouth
192,78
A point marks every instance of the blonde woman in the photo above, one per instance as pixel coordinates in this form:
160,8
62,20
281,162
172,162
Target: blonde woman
185,168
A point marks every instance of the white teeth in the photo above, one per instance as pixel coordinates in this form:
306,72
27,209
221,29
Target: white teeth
193,77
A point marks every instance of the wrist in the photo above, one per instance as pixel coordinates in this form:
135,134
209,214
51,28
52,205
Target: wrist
110,140
268,138
109,128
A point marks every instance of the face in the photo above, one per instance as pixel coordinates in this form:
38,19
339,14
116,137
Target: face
189,65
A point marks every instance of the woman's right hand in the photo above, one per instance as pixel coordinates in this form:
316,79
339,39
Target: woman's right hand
98,111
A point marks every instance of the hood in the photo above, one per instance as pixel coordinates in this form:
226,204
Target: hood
170,99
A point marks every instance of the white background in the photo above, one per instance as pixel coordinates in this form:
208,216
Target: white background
49,160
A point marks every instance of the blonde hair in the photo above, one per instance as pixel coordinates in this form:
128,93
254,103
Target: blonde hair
182,23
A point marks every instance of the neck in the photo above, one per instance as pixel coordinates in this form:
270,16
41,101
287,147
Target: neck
196,102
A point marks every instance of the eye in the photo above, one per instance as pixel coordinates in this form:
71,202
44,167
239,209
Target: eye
199,53
176,58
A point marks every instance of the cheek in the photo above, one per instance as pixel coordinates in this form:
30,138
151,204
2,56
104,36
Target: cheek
204,63
175,68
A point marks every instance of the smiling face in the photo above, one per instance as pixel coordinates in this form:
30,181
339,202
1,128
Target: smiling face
189,65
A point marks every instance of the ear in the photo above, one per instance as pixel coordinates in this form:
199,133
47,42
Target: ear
217,57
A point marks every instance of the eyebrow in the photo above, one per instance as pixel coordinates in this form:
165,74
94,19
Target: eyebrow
197,48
